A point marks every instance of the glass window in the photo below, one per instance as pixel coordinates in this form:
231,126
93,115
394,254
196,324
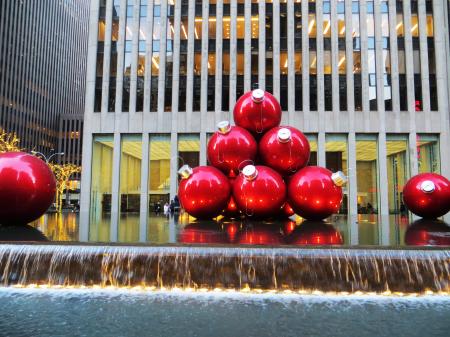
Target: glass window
312,139
188,150
428,153
336,160
159,175
367,188
398,173
130,187
101,188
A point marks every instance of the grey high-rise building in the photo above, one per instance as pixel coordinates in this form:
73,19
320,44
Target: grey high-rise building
43,54
366,81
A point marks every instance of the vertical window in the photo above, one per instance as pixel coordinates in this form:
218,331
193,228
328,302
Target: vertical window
114,59
342,61
130,187
169,56
101,188
327,63
188,150
184,29
312,139
386,56
356,35
367,187
418,103
428,153
298,55
283,57
158,185
141,56
398,173
155,55
312,33
100,56
336,160
129,33
403,92
371,57
431,59
269,47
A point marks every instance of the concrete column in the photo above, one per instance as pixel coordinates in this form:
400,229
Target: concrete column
276,48
334,63
320,72
88,113
443,102
394,63
173,164
349,67
106,55
321,158
364,63
352,190
204,82
425,77
262,45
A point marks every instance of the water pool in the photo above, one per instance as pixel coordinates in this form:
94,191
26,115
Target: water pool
37,312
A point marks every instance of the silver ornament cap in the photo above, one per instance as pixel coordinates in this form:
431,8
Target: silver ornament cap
250,172
427,186
284,135
224,127
185,171
339,178
258,95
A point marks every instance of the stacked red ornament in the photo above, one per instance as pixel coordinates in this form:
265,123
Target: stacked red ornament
427,195
260,191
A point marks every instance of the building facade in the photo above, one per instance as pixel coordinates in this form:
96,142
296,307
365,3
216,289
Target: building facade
43,54
366,81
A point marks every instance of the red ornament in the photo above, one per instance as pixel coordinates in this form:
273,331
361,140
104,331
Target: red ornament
315,233
204,191
287,210
27,188
203,233
315,193
284,149
428,232
260,234
259,191
230,148
427,195
257,111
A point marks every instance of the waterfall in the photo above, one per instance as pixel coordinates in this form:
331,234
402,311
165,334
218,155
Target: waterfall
335,270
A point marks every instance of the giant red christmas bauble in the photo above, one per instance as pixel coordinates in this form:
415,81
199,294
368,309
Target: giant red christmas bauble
427,195
231,148
428,232
284,149
257,111
259,191
204,191
27,188
315,233
315,193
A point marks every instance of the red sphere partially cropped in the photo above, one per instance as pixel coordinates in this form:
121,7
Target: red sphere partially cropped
257,111
313,194
27,188
285,149
259,191
204,191
427,195
428,232
315,233
231,148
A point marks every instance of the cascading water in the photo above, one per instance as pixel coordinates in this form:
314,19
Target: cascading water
334,270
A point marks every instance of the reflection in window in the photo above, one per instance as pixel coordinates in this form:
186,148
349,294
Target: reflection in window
101,188
99,65
428,153
169,57
336,160
418,103
367,188
403,92
141,58
386,59
129,32
398,172
312,139
357,81
130,187
188,150
371,57
155,57
159,175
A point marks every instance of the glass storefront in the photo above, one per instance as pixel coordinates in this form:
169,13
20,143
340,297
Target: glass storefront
428,153
159,172
101,187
